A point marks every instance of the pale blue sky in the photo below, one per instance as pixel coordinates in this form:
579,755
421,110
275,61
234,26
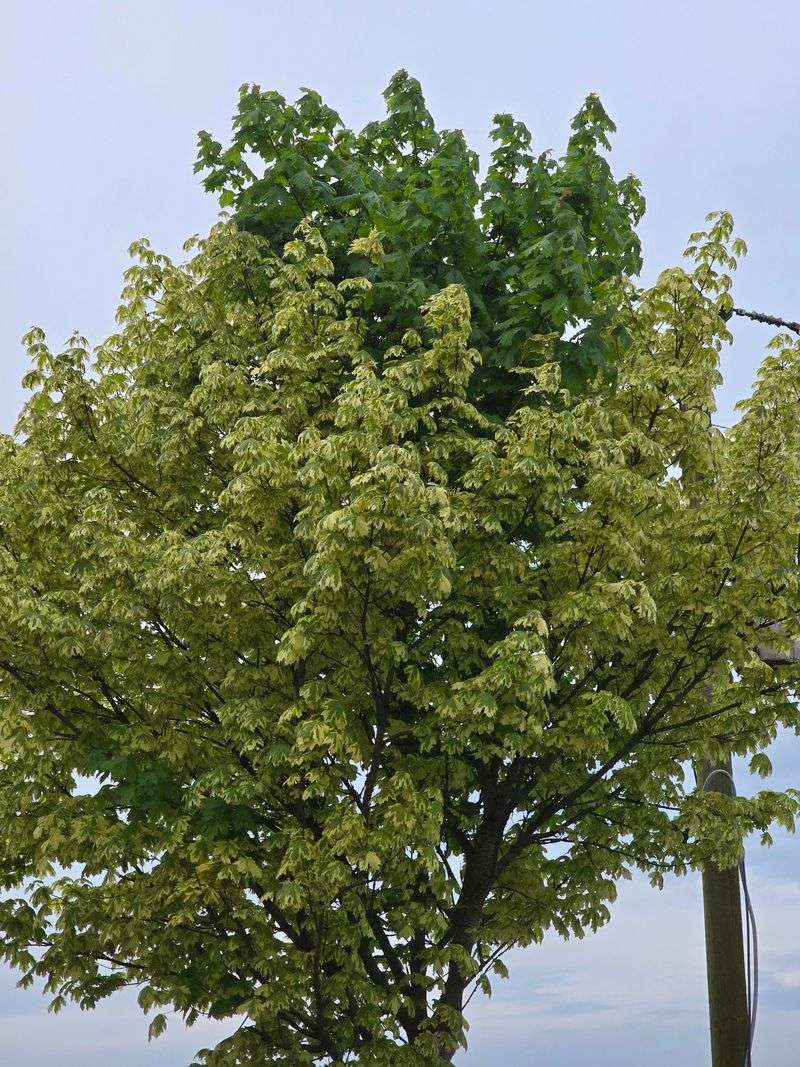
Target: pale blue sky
99,106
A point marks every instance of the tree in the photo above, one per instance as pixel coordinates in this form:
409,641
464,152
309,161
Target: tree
330,670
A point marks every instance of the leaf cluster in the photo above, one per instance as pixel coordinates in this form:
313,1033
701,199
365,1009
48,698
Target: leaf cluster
534,242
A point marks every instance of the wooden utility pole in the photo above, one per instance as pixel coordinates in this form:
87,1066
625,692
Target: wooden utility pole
729,1010
725,963
728,1005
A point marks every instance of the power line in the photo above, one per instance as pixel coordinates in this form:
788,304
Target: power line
759,316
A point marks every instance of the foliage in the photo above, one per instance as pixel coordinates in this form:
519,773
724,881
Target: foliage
534,244
322,685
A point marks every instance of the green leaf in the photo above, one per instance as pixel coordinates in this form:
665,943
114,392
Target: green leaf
761,765
157,1027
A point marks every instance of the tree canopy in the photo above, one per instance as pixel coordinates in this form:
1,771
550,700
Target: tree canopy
330,669
534,244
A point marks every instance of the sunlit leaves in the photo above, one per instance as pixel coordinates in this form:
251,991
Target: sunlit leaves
325,676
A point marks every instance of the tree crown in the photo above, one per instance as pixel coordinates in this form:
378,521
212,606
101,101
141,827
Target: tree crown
372,680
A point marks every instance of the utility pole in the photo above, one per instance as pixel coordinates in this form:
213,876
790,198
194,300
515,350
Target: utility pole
725,963
728,1003
728,1014
729,1010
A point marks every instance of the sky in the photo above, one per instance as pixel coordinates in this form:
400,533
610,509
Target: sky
100,103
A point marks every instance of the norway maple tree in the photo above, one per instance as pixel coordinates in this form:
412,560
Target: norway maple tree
357,622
